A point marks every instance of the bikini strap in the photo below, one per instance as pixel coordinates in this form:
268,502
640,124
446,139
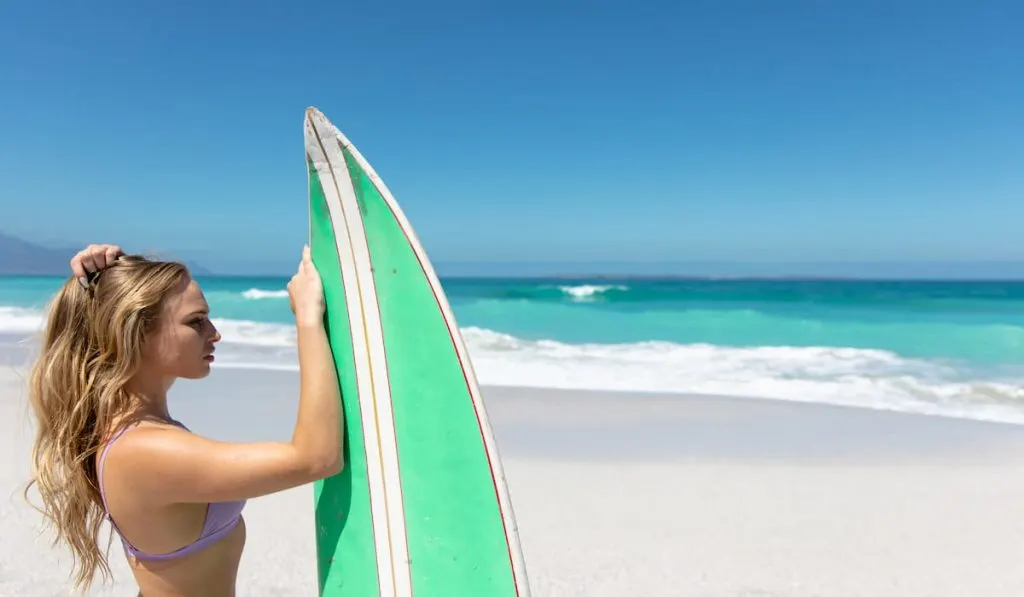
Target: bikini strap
103,459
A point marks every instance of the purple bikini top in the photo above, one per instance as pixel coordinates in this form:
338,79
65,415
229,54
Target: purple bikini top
221,517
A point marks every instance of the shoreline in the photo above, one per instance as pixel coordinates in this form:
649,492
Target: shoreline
14,354
878,379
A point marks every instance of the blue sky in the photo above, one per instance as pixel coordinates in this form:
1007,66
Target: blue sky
561,132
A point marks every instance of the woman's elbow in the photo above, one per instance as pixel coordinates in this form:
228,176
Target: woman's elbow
328,467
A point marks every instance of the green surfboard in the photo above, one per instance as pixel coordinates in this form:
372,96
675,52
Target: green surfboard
421,508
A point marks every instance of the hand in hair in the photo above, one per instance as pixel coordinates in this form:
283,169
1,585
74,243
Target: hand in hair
93,259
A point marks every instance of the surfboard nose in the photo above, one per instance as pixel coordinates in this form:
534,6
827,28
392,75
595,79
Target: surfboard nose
314,115
318,128
315,118
317,132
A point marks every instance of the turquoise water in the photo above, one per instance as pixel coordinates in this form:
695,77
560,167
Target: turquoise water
980,322
947,347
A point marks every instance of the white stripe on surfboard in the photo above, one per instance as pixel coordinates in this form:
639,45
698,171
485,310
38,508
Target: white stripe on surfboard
378,509
378,362
504,499
388,522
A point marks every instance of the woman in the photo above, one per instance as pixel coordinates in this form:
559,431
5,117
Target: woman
107,447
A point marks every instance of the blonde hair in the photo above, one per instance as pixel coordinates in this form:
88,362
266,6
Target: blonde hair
91,348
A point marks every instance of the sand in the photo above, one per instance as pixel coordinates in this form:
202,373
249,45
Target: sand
622,495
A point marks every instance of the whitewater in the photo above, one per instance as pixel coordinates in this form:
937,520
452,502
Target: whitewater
950,349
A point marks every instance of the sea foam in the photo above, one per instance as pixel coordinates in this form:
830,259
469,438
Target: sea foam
834,375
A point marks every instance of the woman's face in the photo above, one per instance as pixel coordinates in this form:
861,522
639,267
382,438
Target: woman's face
183,342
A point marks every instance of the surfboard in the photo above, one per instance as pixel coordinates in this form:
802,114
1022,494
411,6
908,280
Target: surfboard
422,507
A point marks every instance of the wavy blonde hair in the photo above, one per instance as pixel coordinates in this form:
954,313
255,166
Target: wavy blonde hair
91,348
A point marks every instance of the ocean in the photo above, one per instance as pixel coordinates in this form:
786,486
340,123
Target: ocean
944,348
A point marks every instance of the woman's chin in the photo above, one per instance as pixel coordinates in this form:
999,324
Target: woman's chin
200,371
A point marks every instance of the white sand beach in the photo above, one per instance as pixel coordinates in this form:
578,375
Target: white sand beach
623,495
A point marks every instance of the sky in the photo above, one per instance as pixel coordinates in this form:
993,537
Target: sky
543,132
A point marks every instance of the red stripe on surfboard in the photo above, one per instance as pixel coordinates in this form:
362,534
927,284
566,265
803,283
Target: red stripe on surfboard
476,412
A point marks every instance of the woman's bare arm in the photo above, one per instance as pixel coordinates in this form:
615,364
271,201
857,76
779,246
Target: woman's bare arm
171,465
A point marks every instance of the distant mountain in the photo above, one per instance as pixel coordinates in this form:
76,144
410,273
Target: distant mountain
21,257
